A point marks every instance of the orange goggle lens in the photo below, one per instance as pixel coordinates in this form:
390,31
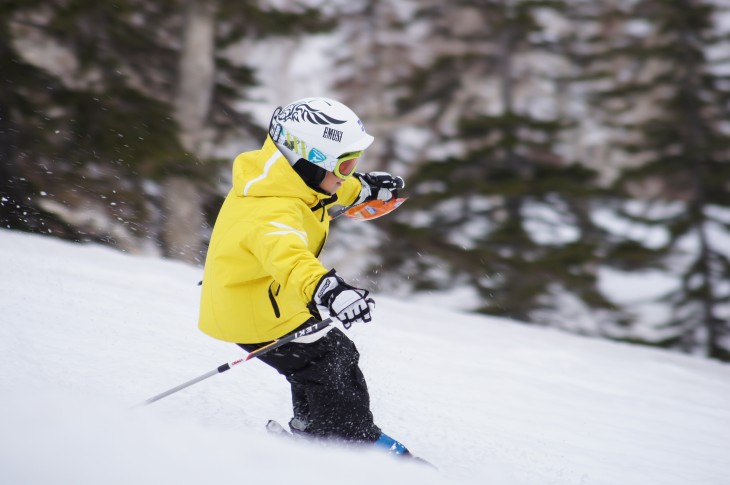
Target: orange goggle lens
346,164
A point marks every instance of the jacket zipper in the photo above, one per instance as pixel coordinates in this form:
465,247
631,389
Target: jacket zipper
321,246
322,204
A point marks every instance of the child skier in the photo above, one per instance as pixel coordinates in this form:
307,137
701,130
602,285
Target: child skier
262,277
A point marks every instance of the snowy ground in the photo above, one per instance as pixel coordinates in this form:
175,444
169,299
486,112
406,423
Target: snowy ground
87,333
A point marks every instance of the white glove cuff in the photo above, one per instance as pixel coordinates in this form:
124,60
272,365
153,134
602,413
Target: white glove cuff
364,193
325,286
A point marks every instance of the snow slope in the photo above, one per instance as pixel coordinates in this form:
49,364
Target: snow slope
87,333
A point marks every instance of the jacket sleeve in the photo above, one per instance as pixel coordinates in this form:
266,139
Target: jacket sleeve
279,242
349,191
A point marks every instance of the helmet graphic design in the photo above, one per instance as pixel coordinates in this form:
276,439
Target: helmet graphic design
322,131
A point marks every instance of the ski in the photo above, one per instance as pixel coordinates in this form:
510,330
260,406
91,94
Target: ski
367,211
276,429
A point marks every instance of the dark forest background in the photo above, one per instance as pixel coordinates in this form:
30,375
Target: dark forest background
559,155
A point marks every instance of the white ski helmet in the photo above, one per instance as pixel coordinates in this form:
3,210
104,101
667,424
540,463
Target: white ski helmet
322,131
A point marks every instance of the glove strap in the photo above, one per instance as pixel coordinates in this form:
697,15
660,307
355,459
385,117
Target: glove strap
325,290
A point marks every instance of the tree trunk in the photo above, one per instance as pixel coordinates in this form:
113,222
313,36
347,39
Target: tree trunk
183,216
183,221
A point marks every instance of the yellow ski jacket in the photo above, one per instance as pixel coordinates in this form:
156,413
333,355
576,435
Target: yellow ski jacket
262,268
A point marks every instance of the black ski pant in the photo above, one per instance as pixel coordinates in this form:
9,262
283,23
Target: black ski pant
328,388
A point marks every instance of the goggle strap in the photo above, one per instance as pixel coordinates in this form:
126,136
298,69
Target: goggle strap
349,156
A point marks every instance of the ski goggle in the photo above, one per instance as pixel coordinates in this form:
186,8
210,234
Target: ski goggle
346,164
343,166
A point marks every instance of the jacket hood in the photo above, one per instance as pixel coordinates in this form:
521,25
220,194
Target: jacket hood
267,173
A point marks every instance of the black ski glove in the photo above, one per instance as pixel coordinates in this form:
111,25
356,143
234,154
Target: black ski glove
346,303
378,185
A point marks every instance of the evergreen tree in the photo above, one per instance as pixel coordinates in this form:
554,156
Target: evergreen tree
123,109
670,95
371,71
28,98
500,209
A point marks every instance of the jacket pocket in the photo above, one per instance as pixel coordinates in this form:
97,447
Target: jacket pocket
272,298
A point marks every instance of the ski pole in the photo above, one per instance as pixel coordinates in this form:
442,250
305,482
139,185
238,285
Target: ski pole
256,353
339,212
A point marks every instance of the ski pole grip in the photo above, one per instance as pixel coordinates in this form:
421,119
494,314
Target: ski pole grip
288,338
